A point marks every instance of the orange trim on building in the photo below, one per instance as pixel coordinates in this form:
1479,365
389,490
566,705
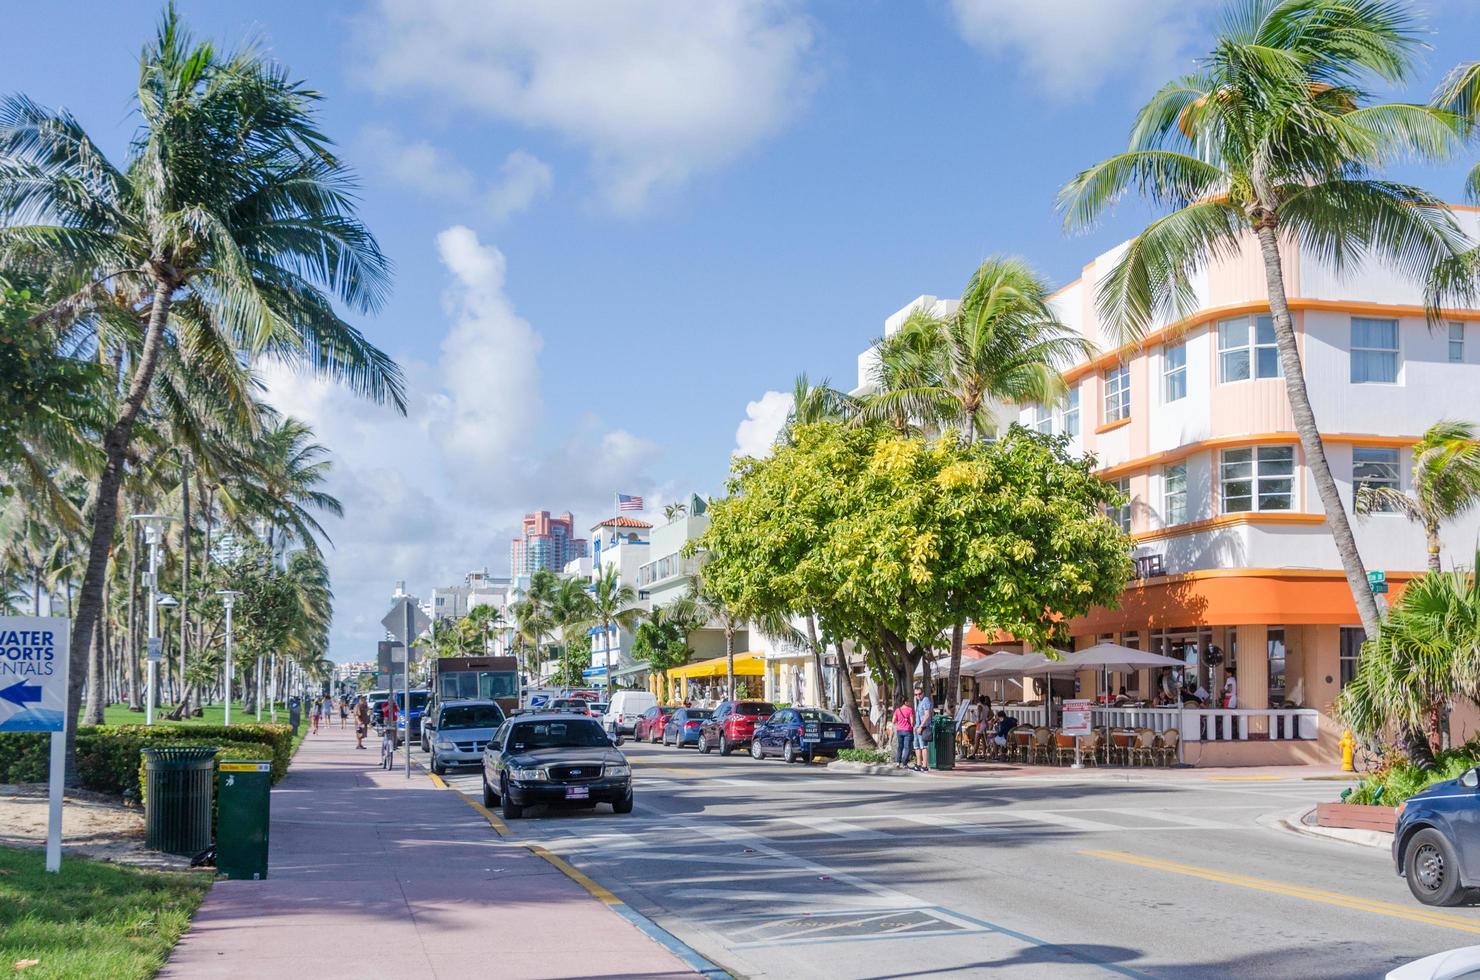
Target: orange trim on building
1234,597
1225,520
1235,442
1112,426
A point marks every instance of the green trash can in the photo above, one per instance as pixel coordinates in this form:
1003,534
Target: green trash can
177,799
243,807
943,743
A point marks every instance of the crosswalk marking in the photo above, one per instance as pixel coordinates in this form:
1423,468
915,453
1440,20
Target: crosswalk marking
1060,820
839,828
1181,819
953,822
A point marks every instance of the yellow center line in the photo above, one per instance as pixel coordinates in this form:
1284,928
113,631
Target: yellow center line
1425,916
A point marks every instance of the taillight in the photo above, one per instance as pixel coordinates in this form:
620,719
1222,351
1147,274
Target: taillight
691,724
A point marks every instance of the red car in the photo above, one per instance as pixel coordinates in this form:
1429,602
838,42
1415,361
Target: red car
649,726
733,724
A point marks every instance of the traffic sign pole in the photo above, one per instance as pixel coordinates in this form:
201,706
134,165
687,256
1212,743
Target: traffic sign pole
409,607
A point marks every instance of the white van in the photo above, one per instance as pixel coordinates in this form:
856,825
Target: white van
624,710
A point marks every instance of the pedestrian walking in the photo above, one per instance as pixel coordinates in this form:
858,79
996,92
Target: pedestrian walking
343,712
317,710
924,716
362,721
904,727
983,725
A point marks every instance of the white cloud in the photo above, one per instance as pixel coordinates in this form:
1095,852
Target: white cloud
1069,46
437,493
654,91
756,435
521,179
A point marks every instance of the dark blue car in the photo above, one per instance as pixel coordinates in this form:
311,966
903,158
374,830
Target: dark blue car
801,733
1436,844
683,726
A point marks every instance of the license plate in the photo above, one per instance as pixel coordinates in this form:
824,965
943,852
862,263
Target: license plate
577,792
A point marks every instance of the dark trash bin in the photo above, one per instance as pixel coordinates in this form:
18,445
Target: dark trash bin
177,802
943,743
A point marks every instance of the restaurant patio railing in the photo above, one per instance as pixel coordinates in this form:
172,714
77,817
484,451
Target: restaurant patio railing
1198,724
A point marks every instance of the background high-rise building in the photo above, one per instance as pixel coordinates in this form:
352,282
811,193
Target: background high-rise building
546,542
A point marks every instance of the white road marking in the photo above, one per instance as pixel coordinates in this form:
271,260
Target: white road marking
1181,819
1059,820
954,822
838,828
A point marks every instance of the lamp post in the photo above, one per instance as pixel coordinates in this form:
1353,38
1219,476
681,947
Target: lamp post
154,525
228,599
167,601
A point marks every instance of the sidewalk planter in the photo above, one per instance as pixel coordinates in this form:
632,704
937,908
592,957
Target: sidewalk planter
1353,816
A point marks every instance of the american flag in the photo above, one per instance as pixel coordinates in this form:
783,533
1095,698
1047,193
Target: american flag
627,501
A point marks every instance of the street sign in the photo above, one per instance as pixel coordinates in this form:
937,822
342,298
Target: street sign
395,620
385,656
33,698
1077,718
1378,582
156,649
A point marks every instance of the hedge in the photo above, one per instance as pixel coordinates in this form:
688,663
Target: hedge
277,737
228,750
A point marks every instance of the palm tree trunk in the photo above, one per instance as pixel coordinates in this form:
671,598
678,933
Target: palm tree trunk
862,737
822,701
1431,534
96,696
184,570
1309,432
36,591
953,685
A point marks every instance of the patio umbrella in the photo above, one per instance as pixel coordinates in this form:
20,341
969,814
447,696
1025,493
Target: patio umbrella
1105,657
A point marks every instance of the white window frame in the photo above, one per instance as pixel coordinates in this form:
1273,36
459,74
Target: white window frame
1173,379
1246,329
1457,342
1043,418
1122,515
1174,501
1117,400
1396,350
1070,419
1257,458
1393,457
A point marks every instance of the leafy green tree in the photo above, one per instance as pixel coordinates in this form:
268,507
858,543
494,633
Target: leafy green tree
217,240
1445,483
661,639
613,605
1275,138
574,660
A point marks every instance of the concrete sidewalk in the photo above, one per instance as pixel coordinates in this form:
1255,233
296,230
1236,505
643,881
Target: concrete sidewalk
372,874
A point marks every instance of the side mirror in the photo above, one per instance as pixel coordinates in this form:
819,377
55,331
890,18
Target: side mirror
1471,779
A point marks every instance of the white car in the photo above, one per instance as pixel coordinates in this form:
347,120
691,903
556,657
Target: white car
624,709
1456,964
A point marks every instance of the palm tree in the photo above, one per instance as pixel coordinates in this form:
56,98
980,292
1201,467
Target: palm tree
816,403
675,510
1445,483
217,238
710,607
1460,93
613,604
1275,137
661,639
1425,654
907,360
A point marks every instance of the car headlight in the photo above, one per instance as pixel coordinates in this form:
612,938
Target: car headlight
528,775
616,771
445,745
1401,807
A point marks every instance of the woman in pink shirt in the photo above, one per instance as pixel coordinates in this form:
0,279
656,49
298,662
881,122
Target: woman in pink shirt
904,727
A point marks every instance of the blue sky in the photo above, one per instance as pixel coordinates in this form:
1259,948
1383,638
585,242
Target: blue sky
617,224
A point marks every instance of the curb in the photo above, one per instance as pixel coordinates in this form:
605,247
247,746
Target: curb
865,768
1294,823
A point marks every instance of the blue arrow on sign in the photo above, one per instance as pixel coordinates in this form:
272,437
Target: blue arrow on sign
20,693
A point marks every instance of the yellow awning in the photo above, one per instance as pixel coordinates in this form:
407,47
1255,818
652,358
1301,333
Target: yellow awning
746,665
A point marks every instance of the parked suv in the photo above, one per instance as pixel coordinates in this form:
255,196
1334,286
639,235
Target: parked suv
1436,843
459,731
733,724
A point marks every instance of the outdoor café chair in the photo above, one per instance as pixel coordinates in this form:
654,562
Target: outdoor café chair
1089,748
1042,747
1119,749
1021,742
1063,747
1166,752
1145,747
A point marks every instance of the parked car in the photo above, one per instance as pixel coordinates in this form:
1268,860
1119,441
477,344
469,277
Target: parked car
1436,843
460,730
732,724
418,700
801,733
683,726
377,700
1453,964
649,727
570,706
558,759
621,714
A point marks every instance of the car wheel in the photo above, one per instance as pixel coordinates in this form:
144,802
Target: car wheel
623,806
755,750
790,752
490,799
1432,869
703,745
510,809
437,767
724,744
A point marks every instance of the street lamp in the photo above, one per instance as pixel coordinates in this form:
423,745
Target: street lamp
154,525
228,599
167,601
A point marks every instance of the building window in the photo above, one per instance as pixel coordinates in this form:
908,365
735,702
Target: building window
1246,348
1276,648
1174,494
1117,394
1456,343
1352,638
1122,515
1043,419
1174,373
1257,479
1374,351
1377,468
1071,413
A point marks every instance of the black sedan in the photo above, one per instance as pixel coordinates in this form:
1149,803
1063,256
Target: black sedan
1436,844
555,759
801,733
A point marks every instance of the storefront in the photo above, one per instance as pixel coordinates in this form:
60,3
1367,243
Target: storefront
704,682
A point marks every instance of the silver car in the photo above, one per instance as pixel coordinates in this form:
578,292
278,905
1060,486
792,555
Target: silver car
460,730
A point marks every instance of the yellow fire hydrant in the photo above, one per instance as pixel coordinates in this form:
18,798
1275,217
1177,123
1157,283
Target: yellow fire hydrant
1348,746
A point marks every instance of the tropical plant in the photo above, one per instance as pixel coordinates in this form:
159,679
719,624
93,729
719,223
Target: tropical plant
1445,483
1459,93
215,241
675,510
1276,139
661,639
1426,653
816,403
613,606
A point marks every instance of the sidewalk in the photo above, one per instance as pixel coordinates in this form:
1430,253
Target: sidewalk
1013,770
372,874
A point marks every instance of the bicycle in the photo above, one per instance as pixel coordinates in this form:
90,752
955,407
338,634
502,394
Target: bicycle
388,748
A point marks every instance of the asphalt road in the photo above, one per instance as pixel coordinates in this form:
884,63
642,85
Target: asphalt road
791,871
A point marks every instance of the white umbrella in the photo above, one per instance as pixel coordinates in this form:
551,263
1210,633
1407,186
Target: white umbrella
975,668
1103,658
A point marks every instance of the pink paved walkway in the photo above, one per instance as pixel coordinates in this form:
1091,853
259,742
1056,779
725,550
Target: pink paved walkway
375,875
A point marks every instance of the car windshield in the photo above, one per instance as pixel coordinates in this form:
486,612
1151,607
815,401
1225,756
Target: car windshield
471,716
812,714
753,708
576,733
700,713
419,699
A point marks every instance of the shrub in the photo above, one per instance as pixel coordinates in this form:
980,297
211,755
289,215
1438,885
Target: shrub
1395,783
24,757
873,757
277,737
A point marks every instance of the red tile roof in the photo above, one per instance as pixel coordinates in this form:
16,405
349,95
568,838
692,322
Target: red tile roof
623,522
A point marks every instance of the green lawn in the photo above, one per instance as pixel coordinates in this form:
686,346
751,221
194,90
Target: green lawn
92,920
215,714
